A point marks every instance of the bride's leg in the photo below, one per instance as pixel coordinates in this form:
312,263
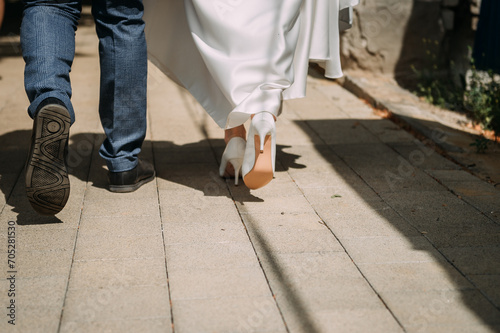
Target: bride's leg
238,131
248,47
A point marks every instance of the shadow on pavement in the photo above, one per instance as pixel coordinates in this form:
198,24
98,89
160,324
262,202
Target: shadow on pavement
430,217
301,312
184,165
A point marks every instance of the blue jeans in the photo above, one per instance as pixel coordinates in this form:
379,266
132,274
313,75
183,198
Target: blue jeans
48,44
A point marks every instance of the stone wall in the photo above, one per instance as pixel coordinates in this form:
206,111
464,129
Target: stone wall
391,36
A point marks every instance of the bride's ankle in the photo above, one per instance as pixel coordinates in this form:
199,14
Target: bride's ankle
238,131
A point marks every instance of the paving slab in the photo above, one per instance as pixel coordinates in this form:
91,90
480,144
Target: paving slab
391,250
387,131
190,233
218,283
414,276
296,241
153,325
117,207
210,255
88,305
98,246
423,156
357,320
39,302
106,273
452,329
240,314
483,196
488,284
450,308
309,285
124,226
294,204
33,264
475,260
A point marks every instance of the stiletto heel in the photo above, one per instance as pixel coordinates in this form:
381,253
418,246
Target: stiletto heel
233,153
260,152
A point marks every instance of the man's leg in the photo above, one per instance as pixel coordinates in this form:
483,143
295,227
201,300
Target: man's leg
48,44
122,105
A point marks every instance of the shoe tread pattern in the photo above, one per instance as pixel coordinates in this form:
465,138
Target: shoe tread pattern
47,182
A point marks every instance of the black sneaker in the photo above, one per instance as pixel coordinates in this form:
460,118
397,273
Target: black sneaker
47,182
129,181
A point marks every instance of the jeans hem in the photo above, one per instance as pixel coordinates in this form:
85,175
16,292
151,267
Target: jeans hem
33,108
120,165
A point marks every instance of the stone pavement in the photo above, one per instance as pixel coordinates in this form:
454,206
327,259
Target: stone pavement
452,132
364,228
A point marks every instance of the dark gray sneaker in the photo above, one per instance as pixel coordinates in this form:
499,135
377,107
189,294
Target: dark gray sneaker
47,182
129,181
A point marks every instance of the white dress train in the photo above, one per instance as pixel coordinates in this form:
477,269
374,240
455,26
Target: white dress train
241,57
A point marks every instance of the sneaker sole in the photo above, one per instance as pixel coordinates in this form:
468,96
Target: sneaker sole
47,182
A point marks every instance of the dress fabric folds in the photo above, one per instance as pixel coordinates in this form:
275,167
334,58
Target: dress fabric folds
241,57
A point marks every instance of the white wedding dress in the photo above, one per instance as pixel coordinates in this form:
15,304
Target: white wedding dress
241,57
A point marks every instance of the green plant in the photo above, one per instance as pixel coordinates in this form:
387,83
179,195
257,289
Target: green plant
482,99
481,145
439,92
433,83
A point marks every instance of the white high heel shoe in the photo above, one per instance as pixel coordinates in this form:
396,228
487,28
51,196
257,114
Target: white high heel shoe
260,152
233,153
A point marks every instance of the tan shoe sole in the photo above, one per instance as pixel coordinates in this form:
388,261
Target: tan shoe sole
262,171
